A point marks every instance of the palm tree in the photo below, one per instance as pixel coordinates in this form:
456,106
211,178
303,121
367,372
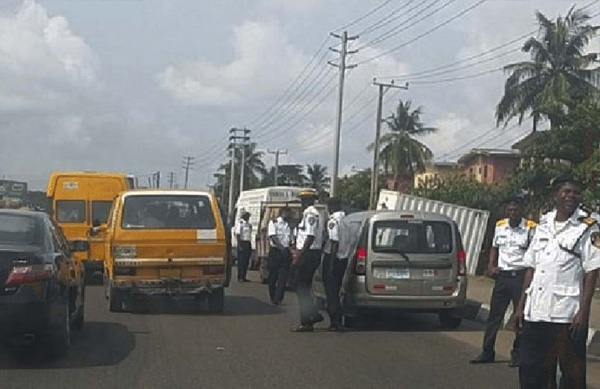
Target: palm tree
558,74
400,151
254,167
316,177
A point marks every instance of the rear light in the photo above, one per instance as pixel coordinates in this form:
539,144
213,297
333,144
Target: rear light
461,262
361,261
214,270
407,216
20,275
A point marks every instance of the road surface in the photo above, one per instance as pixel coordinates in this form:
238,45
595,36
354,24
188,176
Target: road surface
178,345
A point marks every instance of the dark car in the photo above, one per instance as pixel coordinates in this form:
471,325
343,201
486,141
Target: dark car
41,283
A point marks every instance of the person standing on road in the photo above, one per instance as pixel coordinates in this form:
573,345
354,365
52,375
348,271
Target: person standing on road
243,232
279,255
562,270
511,239
335,262
307,260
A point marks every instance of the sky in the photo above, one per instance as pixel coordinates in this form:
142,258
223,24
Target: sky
136,85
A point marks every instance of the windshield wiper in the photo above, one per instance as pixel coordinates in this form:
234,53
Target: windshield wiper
395,251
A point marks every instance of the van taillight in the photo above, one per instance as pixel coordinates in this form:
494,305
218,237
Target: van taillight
361,261
461,262
20,275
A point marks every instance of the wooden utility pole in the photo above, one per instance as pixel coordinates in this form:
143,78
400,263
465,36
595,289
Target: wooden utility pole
188,163
277,153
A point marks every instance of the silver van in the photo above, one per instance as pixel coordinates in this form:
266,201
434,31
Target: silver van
410,261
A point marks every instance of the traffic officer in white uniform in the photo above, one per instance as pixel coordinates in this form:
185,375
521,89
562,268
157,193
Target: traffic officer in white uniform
306,260
279,260
559,284
334,265
243,232
511,239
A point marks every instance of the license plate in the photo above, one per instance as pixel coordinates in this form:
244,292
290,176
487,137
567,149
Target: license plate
392,274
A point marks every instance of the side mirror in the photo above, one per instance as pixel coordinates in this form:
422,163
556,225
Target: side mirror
78,246
96,223
94,231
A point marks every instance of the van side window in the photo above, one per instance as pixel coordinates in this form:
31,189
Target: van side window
70,211
100,211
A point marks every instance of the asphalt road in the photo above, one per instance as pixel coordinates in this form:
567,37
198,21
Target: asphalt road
177,344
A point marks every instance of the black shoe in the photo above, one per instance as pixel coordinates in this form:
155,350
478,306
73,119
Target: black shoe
303,328
483,358
245,280
336,328
317,318
274,302
515,360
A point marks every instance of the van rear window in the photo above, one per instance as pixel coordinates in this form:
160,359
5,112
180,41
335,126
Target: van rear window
168,212
70,211
414,236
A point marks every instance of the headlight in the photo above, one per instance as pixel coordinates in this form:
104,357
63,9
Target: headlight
125,252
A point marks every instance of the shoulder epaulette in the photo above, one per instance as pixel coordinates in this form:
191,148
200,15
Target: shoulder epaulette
501,222
530,224
590,221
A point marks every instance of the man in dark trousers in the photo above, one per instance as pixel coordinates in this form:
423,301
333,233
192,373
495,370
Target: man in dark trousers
279,259
335,261
243,232
307,259
511,239
562,269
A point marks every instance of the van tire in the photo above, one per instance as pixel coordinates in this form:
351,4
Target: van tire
216,300
449,319
115,299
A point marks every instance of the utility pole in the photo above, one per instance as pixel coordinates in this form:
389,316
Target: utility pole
383,88
338,128
188,162
277,153
244,145
171,180
233,145
156,179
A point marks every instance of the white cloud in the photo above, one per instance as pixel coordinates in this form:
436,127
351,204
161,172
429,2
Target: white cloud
41,60
263,62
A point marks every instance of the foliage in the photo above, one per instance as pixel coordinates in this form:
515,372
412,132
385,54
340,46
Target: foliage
400,151
316,177
559,73
289,175
355,189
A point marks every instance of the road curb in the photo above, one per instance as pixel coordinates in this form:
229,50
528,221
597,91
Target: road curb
474,310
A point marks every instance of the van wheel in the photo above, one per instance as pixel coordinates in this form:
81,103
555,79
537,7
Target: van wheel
216,300
79,319
449,319
115,300
59,333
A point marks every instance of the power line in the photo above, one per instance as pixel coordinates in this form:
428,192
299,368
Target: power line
360,19
426,33
452,79
386,20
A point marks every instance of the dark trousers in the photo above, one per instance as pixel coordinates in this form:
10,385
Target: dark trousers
545,344
333,273
244,253
309,262
508,287
279,269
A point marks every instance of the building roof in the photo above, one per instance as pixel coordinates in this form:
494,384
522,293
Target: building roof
502,153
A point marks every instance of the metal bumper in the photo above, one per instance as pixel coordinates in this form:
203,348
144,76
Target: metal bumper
167,287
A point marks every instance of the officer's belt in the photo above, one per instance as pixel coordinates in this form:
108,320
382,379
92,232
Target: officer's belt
512,273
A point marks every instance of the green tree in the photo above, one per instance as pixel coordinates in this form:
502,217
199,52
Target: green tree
317,178
559,73
400,150
355,189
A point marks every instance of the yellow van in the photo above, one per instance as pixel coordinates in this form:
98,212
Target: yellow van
165,242
80,200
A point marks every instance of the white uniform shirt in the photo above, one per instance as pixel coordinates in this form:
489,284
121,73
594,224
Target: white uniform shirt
244,230
280,229
333,230
512,243
311,225
556,288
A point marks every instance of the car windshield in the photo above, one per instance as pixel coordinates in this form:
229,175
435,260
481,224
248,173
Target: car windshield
414,236
167,212
19,230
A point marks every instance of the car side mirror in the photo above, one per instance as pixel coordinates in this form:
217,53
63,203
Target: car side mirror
78,246
96,230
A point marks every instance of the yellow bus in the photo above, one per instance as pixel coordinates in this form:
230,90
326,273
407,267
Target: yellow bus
81,200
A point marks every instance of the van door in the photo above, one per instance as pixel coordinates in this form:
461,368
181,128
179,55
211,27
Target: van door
70,208
101,193
411,258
